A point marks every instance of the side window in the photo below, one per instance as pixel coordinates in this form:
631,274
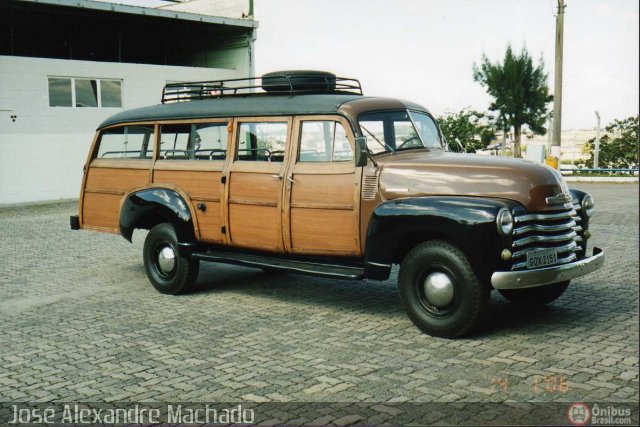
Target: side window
126,142
210,141
342,151
373,129
262,142
175,142
324,141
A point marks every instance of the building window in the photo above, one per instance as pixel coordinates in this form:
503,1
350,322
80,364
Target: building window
86,93
111,93
60,93
79,92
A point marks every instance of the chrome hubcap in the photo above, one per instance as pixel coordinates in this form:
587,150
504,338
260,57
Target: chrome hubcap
166,260
438,289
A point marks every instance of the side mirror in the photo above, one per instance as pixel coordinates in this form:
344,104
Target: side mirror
361,151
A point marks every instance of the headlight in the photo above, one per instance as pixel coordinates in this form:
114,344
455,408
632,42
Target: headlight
504,220
588,205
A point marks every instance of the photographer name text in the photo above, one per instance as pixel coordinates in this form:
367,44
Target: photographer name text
74,414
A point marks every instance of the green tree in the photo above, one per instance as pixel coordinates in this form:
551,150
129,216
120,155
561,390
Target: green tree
474,130
618,147
519,90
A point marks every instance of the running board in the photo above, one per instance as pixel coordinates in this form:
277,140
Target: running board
273,263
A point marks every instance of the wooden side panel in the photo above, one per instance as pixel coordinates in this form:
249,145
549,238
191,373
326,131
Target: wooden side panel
322,214
334,190
111,179
322,201
255,226
254,188
202,185
104,188
209,221
323,231
102,210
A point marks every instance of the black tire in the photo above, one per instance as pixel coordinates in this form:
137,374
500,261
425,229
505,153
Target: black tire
160,242
468,303
535,297
305,80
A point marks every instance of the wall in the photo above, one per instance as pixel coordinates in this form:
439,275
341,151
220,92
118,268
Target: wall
43,151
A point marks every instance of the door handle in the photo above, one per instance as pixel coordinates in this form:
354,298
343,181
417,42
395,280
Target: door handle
277,176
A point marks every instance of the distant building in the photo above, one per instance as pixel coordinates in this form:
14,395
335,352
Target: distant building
66,65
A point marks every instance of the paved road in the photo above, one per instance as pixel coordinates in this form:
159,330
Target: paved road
79,321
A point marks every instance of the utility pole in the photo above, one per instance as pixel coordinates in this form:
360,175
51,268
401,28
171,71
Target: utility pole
596,149
550,132
557,92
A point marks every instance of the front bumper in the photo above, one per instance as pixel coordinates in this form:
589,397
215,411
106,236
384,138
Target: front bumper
545,276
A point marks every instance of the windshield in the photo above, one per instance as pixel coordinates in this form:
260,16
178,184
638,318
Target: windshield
390,131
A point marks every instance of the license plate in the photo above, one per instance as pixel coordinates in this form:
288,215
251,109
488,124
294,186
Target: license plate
542,258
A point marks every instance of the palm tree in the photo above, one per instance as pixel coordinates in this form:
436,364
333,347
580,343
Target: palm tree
519,90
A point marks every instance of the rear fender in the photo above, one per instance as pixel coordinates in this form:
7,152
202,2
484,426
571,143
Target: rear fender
144,208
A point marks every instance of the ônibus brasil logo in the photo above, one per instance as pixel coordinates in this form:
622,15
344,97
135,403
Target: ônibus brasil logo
579,414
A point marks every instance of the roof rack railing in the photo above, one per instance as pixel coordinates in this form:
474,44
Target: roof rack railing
274,85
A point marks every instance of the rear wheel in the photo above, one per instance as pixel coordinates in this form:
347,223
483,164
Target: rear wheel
439,290
168,271
535,296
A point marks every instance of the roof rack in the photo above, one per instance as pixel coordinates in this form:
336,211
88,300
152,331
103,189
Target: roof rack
274,84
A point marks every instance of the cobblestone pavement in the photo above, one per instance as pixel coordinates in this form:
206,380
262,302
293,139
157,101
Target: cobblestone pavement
79,321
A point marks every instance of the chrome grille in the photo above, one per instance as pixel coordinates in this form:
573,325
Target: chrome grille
369,187
534,231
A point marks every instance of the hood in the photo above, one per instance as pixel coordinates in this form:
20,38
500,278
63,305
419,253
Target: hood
423,173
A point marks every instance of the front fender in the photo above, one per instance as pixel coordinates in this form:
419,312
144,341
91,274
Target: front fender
469,223
142,205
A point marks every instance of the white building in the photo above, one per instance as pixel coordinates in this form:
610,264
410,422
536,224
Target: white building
66,65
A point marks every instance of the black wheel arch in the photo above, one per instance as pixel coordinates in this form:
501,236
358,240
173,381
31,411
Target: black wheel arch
151,206
469,223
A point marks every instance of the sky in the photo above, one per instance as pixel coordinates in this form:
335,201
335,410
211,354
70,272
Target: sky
424,50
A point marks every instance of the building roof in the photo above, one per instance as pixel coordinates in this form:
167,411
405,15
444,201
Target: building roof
146,11
260,105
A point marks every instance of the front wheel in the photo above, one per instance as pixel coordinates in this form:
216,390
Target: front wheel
168,271
440,292
535,296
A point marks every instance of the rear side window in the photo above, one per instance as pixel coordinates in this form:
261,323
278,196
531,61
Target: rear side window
202,141
262,142
126,142
175,142
324,141
210,141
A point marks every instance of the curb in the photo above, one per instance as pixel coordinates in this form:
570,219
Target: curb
36,204
612,179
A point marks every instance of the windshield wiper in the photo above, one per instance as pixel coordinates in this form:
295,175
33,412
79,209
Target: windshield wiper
383,144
